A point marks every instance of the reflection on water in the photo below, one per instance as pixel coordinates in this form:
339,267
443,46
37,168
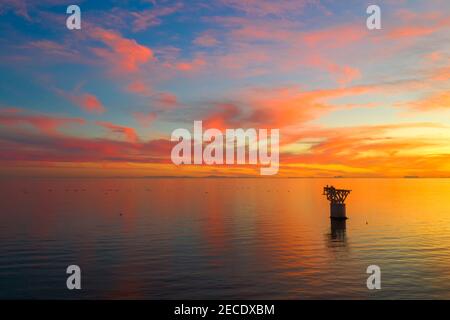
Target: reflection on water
338,227
223,238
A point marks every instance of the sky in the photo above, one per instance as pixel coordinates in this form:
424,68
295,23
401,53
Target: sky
103,101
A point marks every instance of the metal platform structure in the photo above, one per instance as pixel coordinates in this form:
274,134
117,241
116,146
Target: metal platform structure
337,199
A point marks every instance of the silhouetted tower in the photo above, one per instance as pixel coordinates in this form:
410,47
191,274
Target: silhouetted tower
337,201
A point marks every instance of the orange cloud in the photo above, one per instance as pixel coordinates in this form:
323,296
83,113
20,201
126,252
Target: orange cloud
225,115
441,74
334,37
351,151
289,106
440,100
369,150
282,108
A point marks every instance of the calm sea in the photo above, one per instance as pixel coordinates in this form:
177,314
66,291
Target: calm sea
223,238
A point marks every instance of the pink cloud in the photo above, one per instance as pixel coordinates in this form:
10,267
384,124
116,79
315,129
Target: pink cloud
139,87
19,7
91,103
144,119
166,100
253,47
21,146
416,25
268,7
343,73
150,17
125,55
44,123
193,65
335,37
206,40
86,101
129,133
411,31
53,48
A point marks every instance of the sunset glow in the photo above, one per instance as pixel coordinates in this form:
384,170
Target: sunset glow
103,101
